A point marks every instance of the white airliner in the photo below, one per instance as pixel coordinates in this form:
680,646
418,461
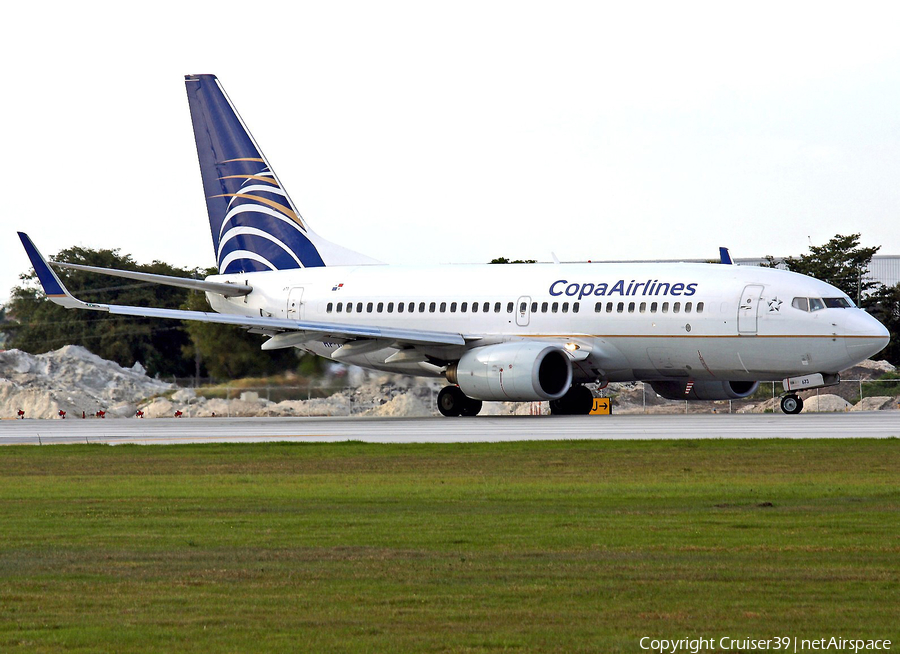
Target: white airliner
495,332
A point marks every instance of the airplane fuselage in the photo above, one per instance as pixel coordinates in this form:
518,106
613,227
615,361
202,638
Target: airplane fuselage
635,321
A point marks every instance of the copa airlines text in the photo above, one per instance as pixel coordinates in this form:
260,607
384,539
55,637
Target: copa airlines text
651,287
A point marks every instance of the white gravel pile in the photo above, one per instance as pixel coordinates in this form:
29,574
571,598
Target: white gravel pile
73,380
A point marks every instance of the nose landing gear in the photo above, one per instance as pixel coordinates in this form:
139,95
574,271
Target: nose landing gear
791,404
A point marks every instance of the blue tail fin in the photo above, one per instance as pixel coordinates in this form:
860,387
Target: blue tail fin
254,224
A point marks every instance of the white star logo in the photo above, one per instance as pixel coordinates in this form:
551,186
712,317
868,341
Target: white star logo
774,305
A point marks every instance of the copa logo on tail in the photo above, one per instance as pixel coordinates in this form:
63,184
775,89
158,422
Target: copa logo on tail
260,225
254,224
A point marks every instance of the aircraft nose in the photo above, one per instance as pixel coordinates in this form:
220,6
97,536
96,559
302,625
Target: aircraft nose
865,336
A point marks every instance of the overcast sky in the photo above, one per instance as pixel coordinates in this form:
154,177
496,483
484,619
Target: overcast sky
423,132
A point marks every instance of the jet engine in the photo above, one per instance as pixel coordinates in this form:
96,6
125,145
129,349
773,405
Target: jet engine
705,390
518,371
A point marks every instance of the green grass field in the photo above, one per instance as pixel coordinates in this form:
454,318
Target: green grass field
523,547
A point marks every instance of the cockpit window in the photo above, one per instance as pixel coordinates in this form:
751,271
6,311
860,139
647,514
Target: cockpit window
816,303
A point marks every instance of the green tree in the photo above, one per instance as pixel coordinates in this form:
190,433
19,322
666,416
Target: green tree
884,304
841,262
505,260
163,347
4,327
37,325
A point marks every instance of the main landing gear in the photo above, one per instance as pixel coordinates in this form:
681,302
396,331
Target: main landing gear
791,404
453,402
578,401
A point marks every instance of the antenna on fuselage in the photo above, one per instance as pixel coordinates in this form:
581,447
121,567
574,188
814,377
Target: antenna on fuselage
725,257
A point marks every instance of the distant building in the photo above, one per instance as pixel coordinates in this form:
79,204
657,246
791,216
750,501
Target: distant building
884,269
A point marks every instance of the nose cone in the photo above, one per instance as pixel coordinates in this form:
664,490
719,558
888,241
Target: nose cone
865,335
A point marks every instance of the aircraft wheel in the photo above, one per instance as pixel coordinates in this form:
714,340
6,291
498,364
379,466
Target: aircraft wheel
557,408
584,400
791,404
578,401
451,401
470,407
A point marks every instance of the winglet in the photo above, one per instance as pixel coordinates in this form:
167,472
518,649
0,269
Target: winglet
725,257
53,287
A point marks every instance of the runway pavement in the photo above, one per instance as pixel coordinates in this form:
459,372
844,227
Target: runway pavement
875,424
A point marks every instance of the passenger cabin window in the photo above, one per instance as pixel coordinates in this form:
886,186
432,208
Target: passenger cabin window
620,307
554,307
443,307
474,307
676,307
412,307
401,307
699,307
422,307
340,307
496,307
390,307
665,307
509,307
380,307
643,307
565,307
349,307
329,307
687,307
431,307
597,307
369,307
453,307
609,306
575,307
534,307
631,307
464,306
653,307
359,307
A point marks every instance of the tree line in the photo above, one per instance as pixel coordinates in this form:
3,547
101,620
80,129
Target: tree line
164,347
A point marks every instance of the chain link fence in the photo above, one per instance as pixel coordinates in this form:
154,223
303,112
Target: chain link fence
848,395
339,397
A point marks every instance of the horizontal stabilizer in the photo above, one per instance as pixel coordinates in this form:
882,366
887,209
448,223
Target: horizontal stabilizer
228,290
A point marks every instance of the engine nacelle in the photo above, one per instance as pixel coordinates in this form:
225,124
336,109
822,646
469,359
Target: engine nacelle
705,390
517,372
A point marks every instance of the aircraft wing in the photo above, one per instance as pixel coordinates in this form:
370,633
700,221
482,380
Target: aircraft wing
60,295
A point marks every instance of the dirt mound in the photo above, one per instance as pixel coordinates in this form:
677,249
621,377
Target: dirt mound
73,380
